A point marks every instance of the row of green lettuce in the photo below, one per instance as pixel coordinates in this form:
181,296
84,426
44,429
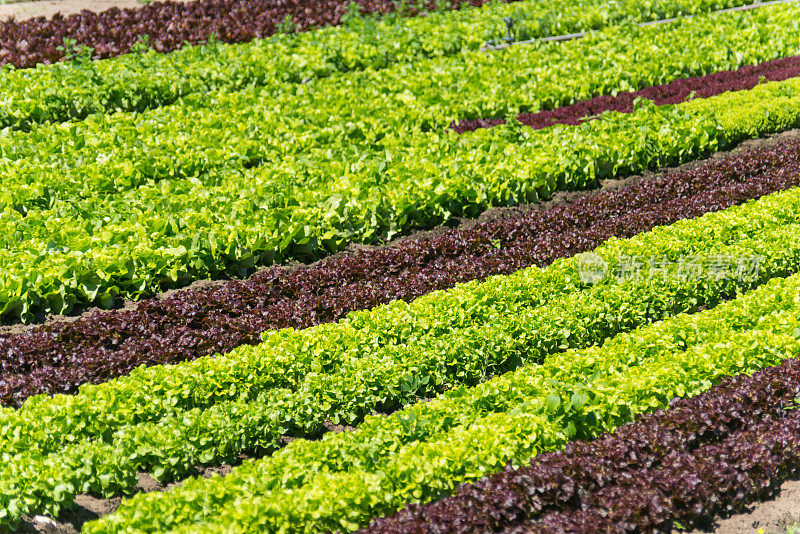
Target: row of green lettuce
170,231
144,80
166,420
425,451
360,117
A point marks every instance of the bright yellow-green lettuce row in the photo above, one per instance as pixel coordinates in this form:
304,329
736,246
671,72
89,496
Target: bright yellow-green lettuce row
174,230
50,262
187,209
167,419
424,451
358,116
138,81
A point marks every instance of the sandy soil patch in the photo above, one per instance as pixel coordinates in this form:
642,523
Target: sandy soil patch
48,8
771,517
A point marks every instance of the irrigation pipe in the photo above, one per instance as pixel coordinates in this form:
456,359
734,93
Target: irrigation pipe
571,36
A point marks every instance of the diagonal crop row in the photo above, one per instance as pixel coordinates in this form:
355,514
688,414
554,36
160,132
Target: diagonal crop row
95,249
425,451
87,248
168,419
674,92
724,478
277,126
170,25
703,456
60,357
146,79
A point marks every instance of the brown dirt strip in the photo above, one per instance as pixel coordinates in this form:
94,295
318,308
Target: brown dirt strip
88,508
47,8
771,517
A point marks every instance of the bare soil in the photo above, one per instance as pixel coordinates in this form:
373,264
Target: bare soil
47,8
88,508
771,517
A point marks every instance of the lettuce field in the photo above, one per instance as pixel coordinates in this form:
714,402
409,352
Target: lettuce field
326,266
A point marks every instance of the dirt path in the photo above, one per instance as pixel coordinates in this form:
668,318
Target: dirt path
26,10
770,517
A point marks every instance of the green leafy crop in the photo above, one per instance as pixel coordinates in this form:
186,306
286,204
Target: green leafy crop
132,203
168,419
135,82
344,480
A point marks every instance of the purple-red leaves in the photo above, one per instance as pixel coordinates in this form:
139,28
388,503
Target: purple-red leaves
704,456
672,93
59,357
171,24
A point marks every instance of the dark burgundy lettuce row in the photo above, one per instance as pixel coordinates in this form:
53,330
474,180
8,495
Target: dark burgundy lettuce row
703,457
58,357
691,488
672,93
170,24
